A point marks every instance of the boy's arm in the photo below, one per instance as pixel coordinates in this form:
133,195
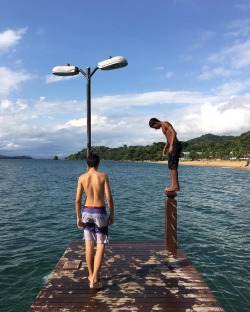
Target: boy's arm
109,199
165,148
78,201
170,128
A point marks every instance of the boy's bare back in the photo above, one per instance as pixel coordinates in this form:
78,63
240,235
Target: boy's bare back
94,184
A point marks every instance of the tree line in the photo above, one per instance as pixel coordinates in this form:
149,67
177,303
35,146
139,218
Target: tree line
207,146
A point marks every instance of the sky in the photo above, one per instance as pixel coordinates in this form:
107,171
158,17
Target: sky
188,63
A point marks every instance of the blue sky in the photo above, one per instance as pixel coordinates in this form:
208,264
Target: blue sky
188,63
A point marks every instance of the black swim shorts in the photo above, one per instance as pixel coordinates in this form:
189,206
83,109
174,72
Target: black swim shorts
173,158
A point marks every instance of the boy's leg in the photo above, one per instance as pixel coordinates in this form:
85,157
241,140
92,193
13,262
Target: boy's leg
100,248
175,184
171,179
173,161
89,254
174,181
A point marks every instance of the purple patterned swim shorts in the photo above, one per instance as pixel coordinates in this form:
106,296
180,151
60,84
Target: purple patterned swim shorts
95,223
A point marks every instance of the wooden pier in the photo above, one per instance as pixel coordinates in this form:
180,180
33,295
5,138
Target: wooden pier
137,276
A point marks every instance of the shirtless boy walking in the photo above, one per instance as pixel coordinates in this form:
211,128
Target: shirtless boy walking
174,147
93,217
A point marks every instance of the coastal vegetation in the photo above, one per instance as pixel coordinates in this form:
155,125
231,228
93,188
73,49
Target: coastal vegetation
207,146
15,157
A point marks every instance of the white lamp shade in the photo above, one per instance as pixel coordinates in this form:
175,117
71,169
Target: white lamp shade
113,63
65,70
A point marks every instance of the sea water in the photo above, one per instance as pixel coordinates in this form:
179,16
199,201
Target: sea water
38,222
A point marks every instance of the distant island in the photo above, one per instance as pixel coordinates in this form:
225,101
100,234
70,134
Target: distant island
207,146
15,157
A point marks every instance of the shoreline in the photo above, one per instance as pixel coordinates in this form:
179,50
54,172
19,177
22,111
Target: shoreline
243,164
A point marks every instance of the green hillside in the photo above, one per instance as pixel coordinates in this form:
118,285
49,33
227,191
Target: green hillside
204,147
15,157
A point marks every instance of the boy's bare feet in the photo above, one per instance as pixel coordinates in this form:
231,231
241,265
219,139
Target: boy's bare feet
96,285
172,189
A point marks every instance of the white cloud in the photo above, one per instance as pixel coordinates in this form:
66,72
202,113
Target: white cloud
203,38
231,88
6,104
147,99
169,74
40,31
240,54
232,59
9,106
96,120
160,68
239,28
74,123
9,38
237,56
58,129
242,6
11,80
53,78
223,118
231,117
42,98
209,73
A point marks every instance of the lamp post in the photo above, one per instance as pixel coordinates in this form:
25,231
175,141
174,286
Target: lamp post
109,64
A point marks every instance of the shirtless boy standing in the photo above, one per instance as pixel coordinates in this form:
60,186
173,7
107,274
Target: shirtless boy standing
93,217
174,149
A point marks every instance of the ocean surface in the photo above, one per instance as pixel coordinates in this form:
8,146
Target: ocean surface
38,222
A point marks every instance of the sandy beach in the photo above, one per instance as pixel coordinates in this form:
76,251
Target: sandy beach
215,163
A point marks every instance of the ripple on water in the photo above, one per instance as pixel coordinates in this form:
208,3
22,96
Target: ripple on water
38,222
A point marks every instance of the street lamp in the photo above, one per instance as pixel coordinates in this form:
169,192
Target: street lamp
109,64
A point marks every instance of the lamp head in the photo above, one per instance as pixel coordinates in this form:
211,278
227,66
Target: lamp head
113,63
65,70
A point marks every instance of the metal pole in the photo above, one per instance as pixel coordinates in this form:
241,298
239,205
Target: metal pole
88,77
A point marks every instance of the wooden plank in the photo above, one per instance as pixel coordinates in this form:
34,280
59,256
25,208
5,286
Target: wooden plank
137,276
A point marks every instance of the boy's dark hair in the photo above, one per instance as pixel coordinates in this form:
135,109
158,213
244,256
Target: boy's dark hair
153,121
93,160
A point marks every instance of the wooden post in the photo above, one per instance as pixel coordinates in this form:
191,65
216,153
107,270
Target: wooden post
171,222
